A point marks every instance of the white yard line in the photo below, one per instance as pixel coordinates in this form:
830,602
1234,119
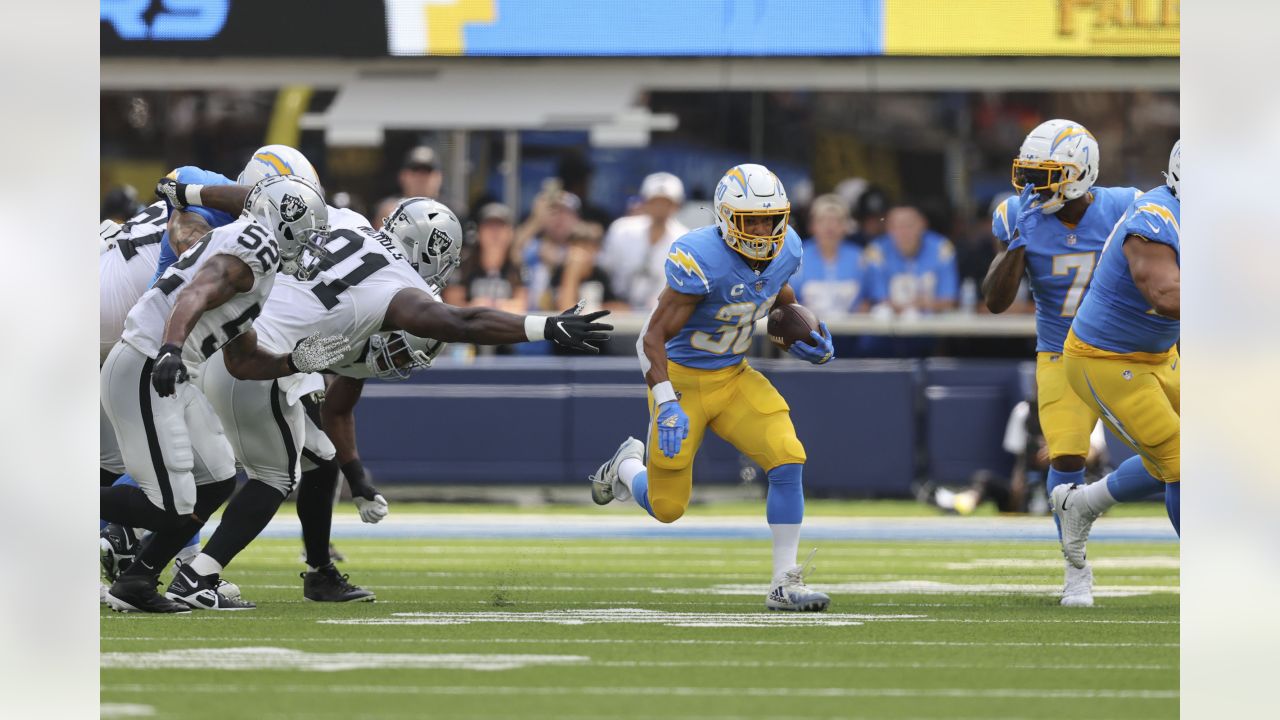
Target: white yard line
664,641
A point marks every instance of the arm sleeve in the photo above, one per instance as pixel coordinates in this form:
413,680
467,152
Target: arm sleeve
684,272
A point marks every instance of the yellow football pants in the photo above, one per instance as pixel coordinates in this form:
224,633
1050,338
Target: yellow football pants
1067,421
1138,395
741,406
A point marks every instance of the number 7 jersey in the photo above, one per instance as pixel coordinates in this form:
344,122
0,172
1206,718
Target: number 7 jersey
1061,259
718,332
349,296
243,239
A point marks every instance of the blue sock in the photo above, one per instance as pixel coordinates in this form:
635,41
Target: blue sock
640,490
1173,504
122,480
1056,478
1131,482
785,502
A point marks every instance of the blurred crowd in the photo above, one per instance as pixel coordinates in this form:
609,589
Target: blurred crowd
864,252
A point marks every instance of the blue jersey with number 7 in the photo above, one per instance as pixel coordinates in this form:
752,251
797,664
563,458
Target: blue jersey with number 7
1060,258
718,333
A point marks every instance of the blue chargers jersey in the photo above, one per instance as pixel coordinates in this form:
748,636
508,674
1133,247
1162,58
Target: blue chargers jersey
215,218
1061,260
1114,316
896,278
718,333
828,288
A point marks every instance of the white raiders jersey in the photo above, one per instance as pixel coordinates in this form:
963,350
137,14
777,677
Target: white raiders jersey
243,239
130,254
350,294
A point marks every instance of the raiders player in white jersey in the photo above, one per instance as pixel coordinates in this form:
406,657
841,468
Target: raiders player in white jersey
365,286
170,439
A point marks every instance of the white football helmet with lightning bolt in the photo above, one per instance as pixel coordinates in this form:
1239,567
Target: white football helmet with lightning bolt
1060,159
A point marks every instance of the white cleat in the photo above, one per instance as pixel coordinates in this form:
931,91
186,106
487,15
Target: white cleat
790,593
605,485
1077,588
1076,518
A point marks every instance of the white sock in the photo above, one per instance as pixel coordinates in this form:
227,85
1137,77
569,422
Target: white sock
628,469
205,565
1098,497
187,554
786,545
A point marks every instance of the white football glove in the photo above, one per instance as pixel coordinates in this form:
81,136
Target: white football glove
317,352
372,511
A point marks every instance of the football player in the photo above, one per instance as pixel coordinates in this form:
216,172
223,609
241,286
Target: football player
721,279
172,444
364,285
1121,356
134,256
1053,233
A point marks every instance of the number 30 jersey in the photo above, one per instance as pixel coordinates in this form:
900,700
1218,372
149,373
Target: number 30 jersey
718,332
350,294
1061,259
243,239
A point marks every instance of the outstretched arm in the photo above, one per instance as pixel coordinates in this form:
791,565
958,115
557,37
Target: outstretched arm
180,195
1155,271
417,313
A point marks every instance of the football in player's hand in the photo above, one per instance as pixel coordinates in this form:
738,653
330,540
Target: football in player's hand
791,323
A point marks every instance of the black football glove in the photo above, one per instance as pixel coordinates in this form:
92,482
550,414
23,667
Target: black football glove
168,370
172,192
571,330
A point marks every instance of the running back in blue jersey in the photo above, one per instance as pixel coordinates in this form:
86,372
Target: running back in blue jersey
215,218
1115,316
718,332
1061,260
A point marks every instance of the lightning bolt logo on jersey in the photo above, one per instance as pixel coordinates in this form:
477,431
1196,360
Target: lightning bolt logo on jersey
1062,260
719,331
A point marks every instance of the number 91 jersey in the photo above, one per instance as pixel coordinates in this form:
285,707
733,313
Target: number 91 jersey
718,332
350,294
245,240
1061,259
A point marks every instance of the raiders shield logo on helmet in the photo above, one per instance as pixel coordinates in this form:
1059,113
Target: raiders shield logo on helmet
438,243
292,208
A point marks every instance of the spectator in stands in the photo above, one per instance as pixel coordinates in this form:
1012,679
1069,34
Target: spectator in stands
580,278
120,204
635,248
554,217
911,269
489,277
869,215
831,279
420,174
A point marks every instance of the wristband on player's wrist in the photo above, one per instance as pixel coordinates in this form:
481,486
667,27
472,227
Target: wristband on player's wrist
191,194
353,471
535,327
663,392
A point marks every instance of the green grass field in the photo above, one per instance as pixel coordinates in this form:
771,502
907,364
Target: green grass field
668,628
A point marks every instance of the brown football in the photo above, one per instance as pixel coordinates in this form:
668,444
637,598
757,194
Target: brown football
791,323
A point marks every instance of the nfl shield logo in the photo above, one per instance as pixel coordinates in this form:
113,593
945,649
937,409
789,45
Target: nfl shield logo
759,285
1071,239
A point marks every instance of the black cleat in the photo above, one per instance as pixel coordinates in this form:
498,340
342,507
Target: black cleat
137,593
327,585
117,546
200,592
